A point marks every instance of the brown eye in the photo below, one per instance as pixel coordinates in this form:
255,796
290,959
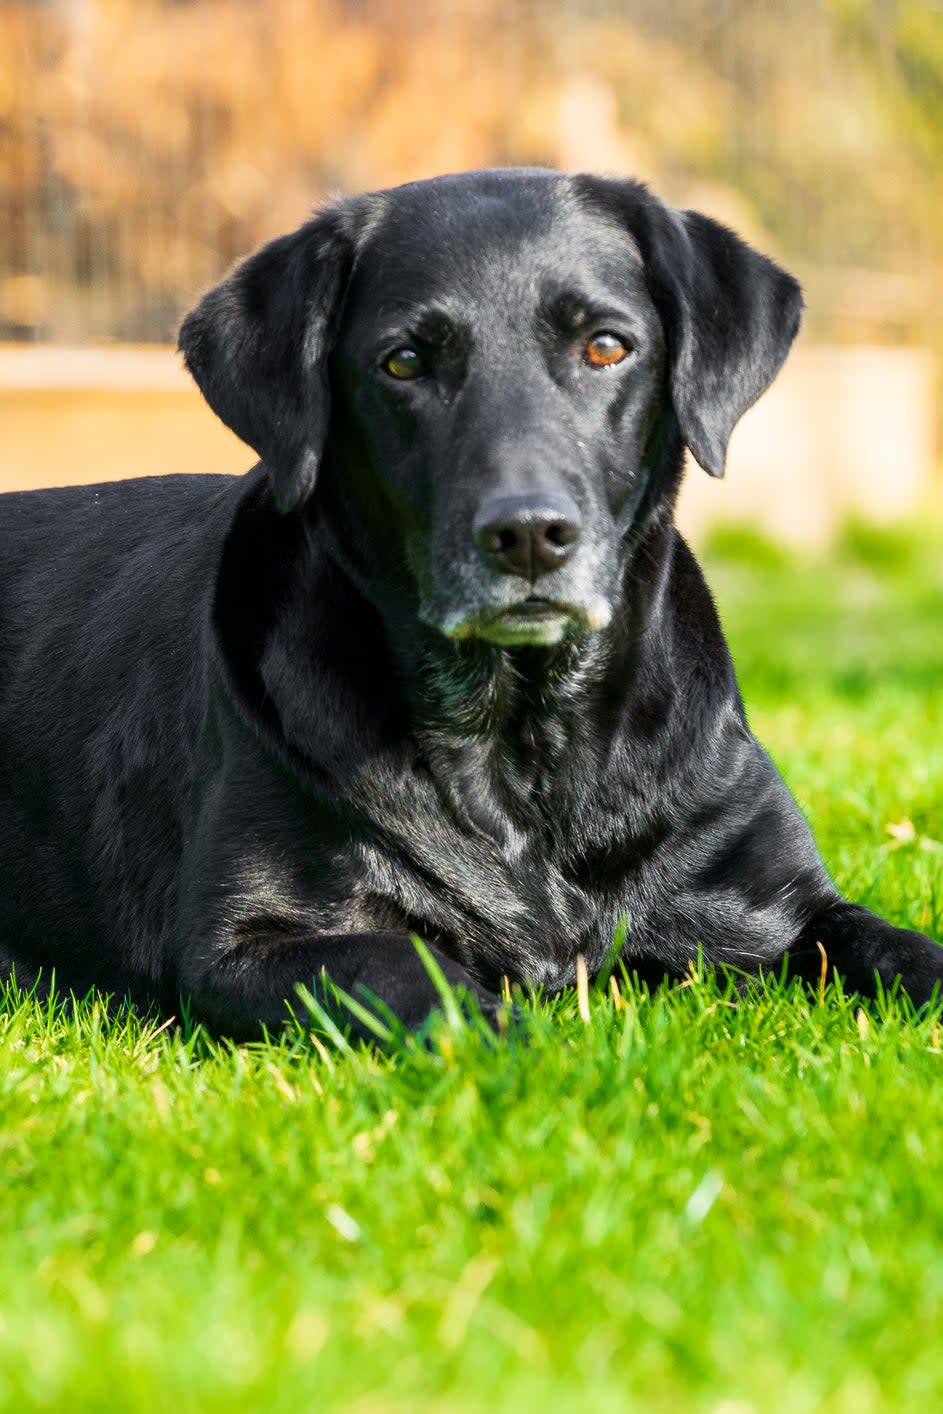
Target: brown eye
604,350
403,363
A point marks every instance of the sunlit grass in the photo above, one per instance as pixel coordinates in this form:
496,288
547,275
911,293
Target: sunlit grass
626,1203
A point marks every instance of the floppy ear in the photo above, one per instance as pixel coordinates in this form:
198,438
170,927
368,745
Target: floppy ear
257,347
729,314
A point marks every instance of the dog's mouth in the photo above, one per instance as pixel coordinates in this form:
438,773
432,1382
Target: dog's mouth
531,621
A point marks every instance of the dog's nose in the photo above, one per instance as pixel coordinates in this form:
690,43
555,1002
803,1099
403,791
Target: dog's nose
528,535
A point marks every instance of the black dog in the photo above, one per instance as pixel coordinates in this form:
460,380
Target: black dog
441,663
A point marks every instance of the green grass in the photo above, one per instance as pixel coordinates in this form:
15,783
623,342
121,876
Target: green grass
684,1205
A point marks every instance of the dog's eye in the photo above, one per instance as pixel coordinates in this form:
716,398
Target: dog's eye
604,350
403,363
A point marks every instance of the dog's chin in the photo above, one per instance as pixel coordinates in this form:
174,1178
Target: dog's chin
533,622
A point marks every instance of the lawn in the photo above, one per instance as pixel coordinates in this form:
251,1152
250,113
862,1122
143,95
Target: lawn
679,1205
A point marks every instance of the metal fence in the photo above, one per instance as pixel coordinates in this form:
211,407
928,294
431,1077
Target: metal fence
144,144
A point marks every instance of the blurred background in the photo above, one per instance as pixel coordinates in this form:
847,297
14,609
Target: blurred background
145,144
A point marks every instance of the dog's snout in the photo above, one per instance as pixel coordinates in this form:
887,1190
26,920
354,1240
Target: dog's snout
529,535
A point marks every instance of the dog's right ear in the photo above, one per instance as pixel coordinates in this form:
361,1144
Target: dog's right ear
257,346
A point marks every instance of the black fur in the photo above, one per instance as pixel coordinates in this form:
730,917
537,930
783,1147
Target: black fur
257,729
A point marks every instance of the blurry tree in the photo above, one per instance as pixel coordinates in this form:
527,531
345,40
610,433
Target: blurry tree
145,144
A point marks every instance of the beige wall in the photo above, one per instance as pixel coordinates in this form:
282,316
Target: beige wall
80,415
842,431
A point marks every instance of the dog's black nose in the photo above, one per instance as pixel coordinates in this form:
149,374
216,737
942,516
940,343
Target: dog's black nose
528,535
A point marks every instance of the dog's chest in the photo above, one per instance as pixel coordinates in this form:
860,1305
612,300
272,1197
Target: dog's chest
451,856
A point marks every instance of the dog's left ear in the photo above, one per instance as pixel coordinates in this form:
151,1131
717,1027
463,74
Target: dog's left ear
257,346
729,314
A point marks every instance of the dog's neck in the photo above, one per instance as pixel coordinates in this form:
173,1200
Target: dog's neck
495,724
511,716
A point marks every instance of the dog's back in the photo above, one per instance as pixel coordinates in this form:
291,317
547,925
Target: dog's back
104,594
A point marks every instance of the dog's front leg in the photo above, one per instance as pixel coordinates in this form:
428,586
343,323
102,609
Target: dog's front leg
238,988
866,951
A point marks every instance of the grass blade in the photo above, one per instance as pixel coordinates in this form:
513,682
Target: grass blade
323,1019
447,995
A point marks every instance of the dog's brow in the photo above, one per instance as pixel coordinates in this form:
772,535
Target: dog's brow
431,325
437,326
570,309
566,308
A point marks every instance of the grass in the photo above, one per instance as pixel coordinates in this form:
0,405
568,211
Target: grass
679,1204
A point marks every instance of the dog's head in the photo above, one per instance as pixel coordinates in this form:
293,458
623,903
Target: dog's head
476,374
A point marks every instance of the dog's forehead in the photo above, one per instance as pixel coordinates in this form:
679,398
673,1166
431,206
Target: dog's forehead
487,237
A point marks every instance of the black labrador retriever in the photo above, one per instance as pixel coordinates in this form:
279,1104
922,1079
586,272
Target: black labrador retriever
441,662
